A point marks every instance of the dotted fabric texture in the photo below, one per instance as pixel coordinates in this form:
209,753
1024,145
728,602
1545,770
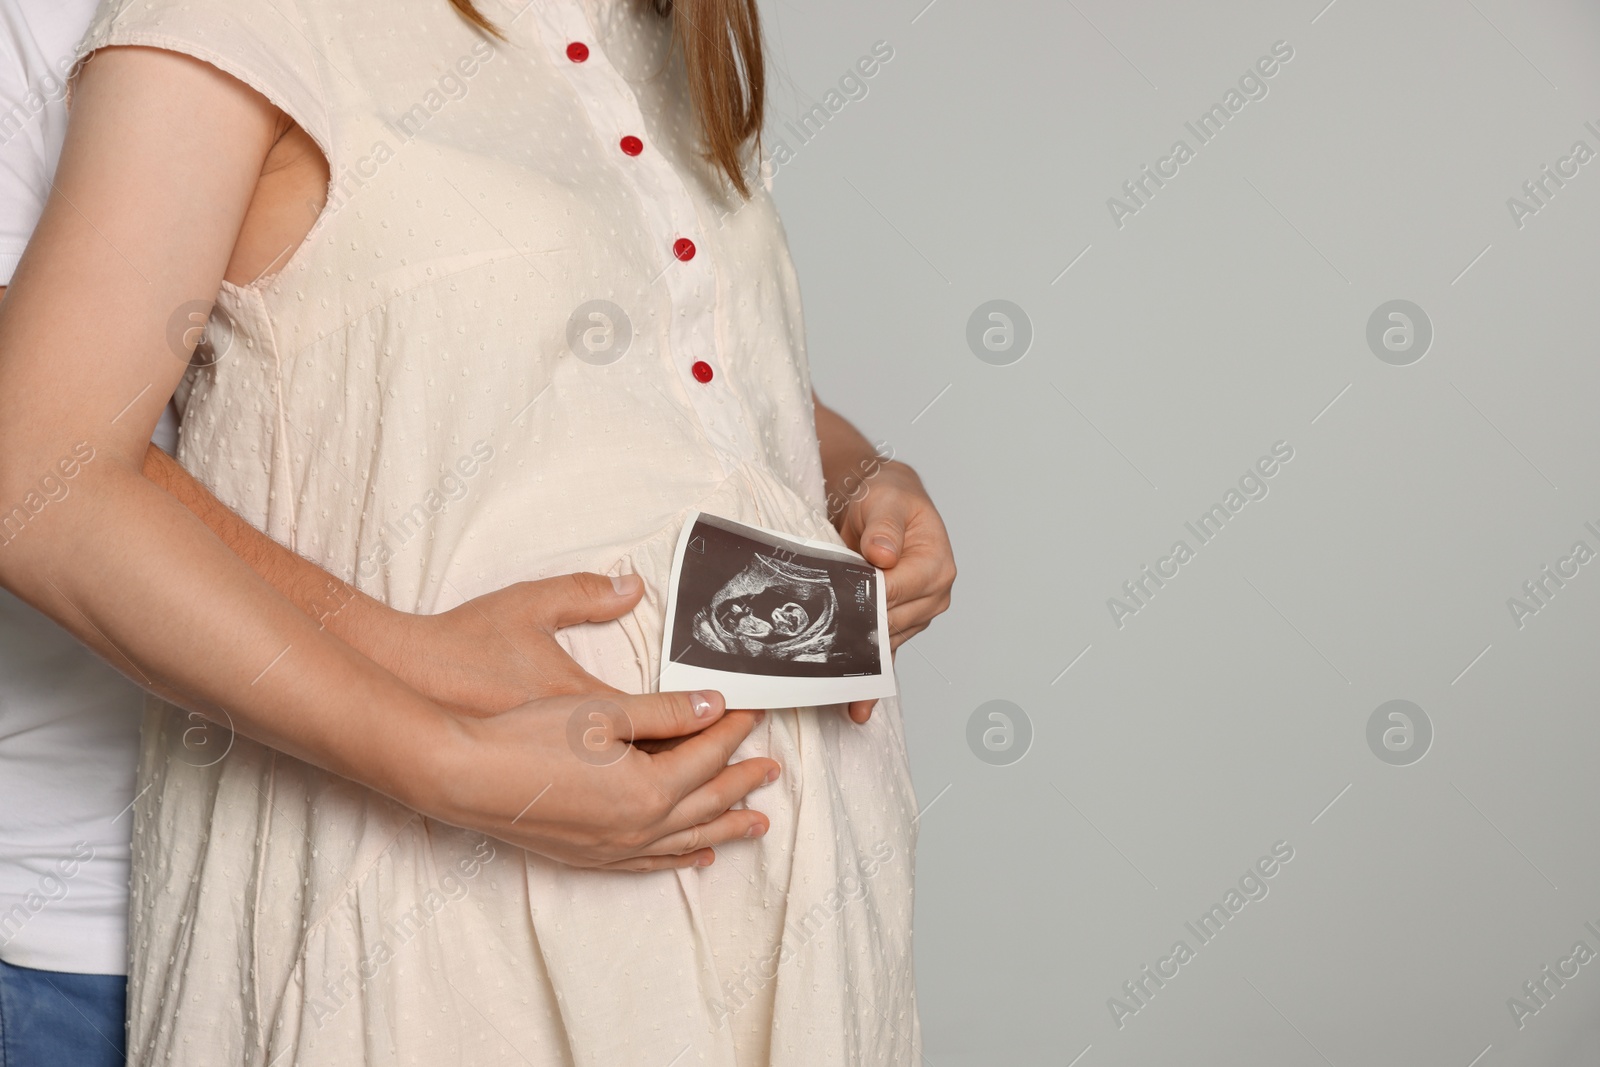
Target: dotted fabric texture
422,400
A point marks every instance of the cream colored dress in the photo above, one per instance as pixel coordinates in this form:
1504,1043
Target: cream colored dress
423,400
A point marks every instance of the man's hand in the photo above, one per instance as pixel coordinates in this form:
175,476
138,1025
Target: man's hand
499,650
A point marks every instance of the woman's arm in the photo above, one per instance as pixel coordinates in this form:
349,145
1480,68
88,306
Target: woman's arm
133,230
881,510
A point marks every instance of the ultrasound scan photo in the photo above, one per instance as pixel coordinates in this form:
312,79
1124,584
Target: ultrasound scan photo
778,618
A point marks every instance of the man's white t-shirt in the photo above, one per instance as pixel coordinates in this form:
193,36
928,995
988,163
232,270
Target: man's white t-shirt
69,724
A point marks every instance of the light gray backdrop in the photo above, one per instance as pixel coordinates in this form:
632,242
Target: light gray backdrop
1230,713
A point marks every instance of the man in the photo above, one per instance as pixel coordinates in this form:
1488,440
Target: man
69,723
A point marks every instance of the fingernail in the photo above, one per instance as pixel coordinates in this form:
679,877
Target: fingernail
702,706
755,831
772,775
761,714
883,542
705,861
625,584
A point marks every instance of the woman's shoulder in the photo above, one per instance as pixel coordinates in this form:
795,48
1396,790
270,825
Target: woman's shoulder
276,47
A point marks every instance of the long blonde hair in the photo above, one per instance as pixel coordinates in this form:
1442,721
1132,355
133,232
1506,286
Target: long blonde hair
721,45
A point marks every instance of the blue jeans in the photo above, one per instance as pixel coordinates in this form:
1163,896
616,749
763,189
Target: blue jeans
52,1019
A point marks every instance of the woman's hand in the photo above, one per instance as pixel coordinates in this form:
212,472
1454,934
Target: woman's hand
620,781
893,523
880,509
567,782
614,780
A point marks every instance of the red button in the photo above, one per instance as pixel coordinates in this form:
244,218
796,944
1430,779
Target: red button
683,248
577,51
631,145
701,371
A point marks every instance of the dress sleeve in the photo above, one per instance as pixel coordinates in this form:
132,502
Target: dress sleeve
267,44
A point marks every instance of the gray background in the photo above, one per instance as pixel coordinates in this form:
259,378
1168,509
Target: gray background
1225,316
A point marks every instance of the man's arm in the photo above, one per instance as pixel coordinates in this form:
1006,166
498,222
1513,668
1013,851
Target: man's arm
487,656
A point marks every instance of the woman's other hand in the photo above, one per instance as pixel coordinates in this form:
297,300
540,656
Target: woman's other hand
562,777
620,781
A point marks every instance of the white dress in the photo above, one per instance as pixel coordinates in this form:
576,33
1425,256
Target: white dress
421,401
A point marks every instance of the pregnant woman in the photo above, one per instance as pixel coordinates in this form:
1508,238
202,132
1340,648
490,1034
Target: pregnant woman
539,309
